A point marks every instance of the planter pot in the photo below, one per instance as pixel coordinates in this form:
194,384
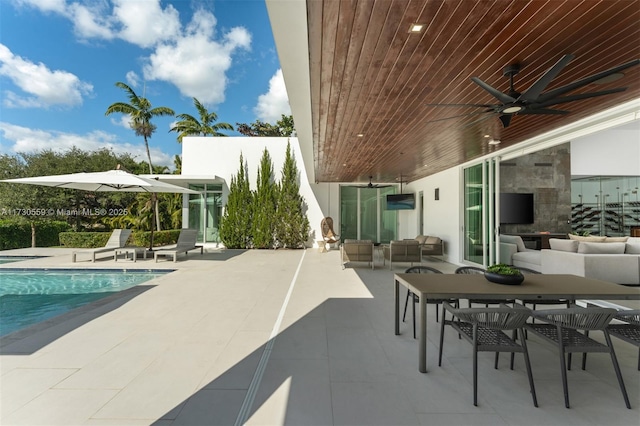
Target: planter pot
504,279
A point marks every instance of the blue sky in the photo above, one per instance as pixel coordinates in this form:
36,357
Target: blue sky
60,60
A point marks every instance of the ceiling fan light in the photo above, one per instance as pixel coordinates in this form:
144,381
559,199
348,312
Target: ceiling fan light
512,109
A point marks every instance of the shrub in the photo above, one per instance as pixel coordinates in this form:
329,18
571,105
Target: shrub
16,233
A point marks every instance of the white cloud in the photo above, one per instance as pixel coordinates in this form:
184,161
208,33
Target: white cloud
90,22
46,87
145,23
28,140
195,63
275,102
133,80
57,6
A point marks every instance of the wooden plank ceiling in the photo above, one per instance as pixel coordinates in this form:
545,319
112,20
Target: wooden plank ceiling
370,76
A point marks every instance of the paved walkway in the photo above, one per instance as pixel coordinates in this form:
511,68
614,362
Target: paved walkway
269,337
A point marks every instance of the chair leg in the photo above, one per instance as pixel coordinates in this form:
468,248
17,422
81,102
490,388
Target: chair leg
616,367
413,307
444,311
563,368
528,365
406,303
475,366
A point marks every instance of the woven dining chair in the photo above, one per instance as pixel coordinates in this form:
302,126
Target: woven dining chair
628,330
480,271
560,326
485,329
416,299
534,302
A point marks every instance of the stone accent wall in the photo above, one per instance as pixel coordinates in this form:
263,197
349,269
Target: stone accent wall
546,174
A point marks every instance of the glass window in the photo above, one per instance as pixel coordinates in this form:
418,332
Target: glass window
363,214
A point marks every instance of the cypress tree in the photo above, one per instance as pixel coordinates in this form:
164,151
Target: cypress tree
264,204
235,224
292,225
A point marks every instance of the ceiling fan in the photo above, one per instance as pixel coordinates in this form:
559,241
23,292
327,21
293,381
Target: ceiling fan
371,185
533,100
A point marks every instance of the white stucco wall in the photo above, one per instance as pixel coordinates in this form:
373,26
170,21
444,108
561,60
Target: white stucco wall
612,152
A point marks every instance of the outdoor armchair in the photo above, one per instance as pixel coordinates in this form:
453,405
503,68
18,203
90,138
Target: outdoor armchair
628,329
356,251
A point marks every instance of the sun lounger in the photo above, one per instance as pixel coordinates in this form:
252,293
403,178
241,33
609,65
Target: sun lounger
186,242
118,239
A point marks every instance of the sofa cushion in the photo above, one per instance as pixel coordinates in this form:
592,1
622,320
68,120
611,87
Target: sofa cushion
514,239
563,245
616,239
421,239
601,248
632,248
590,239
433,240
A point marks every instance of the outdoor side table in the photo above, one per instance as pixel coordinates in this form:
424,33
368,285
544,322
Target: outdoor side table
133,251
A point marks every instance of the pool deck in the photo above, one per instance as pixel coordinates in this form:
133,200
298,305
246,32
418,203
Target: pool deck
268,337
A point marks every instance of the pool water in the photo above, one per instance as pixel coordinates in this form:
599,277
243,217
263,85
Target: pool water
31,296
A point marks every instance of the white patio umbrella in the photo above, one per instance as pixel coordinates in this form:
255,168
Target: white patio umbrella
109,181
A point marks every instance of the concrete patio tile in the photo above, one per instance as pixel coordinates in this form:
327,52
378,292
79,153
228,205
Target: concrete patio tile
60,407
22,385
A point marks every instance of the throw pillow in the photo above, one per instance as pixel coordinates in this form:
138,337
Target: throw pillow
421,239
616,239
514,239
432,240
601,248
563,245
632,248
590,239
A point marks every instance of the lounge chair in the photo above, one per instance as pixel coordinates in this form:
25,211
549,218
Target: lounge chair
118,239
186,242
328,234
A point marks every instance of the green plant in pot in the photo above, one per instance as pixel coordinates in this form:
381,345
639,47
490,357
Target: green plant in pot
504,274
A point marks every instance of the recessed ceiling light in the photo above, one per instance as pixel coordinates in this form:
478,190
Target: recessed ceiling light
487,136
360,135
494,142
416,28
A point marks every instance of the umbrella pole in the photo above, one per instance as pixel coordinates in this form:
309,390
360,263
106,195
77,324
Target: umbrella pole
153,219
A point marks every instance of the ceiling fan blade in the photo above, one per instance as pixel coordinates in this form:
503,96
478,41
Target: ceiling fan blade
538,87
502,97
588,80
505,119
462,105
543,111
572,98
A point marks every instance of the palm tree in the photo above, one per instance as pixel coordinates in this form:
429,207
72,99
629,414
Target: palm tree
140,110
190,126
141,113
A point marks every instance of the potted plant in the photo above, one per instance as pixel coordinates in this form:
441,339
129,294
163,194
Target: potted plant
504,274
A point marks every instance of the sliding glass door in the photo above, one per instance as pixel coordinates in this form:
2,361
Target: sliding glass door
363,214
479,235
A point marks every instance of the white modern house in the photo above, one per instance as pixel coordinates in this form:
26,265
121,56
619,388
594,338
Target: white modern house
455,204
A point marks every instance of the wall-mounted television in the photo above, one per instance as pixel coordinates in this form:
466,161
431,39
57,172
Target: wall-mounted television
401,201
516,208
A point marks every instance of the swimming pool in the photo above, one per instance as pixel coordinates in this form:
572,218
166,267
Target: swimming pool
29,296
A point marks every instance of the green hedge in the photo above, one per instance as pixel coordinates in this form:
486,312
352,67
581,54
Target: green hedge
17,233
99,239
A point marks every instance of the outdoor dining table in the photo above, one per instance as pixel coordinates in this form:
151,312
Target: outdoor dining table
475,286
